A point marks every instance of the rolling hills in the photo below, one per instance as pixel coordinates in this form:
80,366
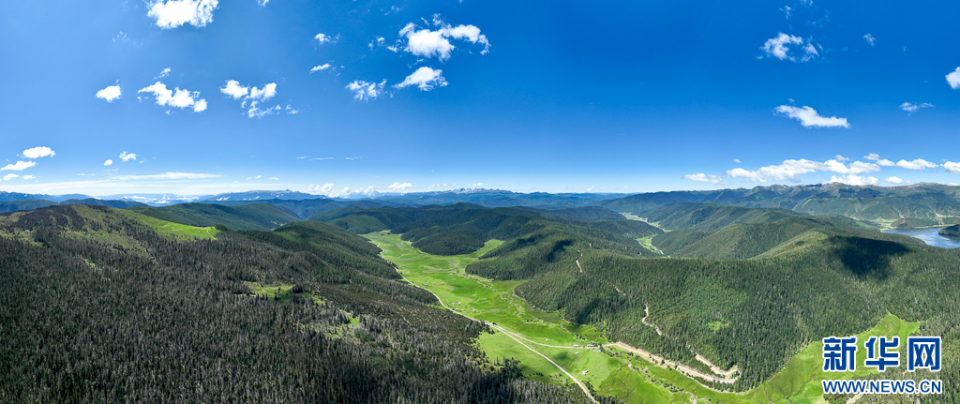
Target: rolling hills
245,217
109,309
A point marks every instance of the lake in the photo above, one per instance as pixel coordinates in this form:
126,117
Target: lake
928,236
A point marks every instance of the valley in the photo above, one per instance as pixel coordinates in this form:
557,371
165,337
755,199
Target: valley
551,349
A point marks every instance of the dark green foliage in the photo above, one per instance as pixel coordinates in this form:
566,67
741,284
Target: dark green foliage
246,217
27,204
741,241
930,201
307,207
762,310
710,217
128,316
952,232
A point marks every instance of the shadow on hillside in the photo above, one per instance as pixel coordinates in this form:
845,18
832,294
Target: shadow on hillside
867,257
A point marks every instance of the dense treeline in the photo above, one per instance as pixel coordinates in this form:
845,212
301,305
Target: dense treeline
256,216
102,309
27,204
756,313
707,217
464,228
747,240
928,201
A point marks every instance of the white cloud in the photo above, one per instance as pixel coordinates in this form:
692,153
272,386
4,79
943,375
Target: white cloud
174,13
880,162
397,187
365,90
479,184
323,38
779,47
789,170
274,178
19,166
320,189
870,39
952,167
918,164
167,176
736,161
234,89
262,3
911,108
324,66
809,117
125,157
954,79
701,177
291,111
266,93
175,98
853,180
28,177
428,43
893,180
110,93
164,73
424,78
840,158
108,163
9,177
37,152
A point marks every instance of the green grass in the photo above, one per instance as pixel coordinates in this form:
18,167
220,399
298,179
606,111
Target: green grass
611,372
272,291
174,230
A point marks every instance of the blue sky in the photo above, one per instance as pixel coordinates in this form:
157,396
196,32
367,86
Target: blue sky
334,97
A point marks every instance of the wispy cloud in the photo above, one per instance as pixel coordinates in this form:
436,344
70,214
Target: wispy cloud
779,47
19,166
365,90
911,108
870,39
254,96
125,157
166,176
397,187
164,73
174,13
701,177
324,38
880,161
318,68
809,117
917,164
853,180
10,176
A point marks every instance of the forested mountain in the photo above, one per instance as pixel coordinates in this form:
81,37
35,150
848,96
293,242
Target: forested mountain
493,198
826,280
17,196
952,232
872,203
245,217
106,309
710,216
305,208
27,204
748,240
464,228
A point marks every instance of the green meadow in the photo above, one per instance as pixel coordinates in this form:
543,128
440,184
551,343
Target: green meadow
609,371
175,230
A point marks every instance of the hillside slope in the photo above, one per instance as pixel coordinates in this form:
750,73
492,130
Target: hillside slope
246,217
108,310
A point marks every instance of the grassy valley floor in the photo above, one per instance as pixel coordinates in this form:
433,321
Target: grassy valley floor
604,369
